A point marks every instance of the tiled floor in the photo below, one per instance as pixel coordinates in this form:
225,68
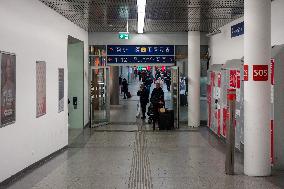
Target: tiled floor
143,159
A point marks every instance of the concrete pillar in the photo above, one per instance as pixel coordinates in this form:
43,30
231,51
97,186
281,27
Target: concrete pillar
193,78
114,85
257,51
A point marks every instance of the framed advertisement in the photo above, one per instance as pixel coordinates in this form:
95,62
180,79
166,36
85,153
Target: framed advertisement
8,88
40,88
60,90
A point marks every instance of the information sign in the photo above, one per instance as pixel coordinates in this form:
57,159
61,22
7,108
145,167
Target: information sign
144,50
245,72
140,59
260,72
123,35
237,30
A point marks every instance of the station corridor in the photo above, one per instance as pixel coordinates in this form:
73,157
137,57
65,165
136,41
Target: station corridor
214,71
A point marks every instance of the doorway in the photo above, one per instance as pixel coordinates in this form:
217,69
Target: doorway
75,62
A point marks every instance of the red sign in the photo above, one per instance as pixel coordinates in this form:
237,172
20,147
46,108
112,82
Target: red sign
224,121
219,79
238,78
246,72
235,79
260,72
272,71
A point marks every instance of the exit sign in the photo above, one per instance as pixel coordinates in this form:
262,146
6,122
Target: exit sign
123,35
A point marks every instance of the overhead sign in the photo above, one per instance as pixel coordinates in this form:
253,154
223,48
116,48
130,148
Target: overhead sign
145,50
123,35
237,30
140,59
260,72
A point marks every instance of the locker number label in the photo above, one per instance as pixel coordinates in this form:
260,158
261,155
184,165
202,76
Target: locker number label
260,72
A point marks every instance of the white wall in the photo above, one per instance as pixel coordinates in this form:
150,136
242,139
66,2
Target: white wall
35,32
277,22
223,47
171,38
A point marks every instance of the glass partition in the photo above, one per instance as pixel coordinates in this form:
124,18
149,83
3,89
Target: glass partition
99,96
175,90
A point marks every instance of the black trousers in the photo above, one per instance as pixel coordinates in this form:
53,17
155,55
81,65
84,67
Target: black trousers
169,87
143,108
155,117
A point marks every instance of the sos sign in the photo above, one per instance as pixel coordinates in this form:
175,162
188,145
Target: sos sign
260,72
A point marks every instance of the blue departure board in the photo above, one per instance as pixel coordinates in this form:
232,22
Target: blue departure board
140,59
143,50
237,30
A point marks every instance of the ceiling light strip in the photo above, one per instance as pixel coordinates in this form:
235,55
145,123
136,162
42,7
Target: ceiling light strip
141,4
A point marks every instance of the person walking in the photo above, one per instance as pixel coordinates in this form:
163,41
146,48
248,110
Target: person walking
124,88
168,82
148,82
158,101
120,83
143,93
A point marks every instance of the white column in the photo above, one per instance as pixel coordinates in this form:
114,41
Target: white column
257,51
193,78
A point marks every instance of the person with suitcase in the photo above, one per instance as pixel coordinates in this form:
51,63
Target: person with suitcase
158,101
168,82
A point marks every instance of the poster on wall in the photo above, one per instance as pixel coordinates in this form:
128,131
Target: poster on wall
60,90
40,88
8,88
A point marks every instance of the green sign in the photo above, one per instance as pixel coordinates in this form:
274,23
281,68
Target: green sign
123,35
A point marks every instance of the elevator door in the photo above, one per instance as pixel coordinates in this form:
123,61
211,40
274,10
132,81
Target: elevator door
175,93
99,96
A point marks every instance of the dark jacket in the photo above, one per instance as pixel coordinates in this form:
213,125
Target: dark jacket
144,95
148,81
120,80
157,96
124,85
168,81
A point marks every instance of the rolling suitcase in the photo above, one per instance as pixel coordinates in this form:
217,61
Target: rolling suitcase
128,94
166,120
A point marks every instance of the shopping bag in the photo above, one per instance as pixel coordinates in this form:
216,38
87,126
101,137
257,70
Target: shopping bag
162,110
138,109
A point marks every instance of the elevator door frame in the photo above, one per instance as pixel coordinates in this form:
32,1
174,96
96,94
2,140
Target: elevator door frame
107,93
175,94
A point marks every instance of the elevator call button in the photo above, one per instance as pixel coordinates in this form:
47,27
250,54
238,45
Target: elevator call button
260,72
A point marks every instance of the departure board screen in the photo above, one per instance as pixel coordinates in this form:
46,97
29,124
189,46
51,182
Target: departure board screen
144,50
140,59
